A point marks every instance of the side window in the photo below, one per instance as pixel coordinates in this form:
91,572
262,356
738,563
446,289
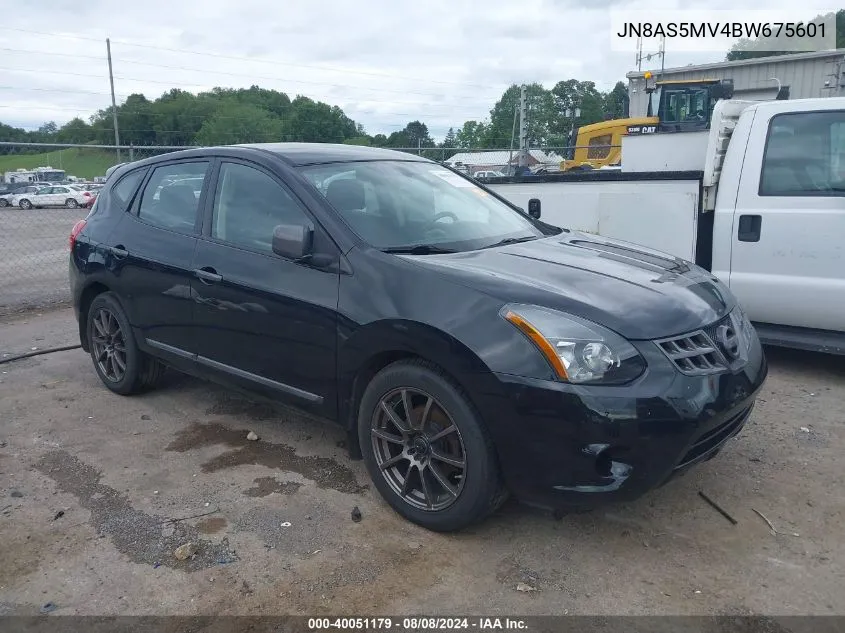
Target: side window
171,197
804,155
248,205
125,188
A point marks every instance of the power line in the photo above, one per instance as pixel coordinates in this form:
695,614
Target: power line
220,72
214,72
253,60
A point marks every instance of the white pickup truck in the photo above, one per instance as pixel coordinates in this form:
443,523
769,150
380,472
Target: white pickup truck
759,200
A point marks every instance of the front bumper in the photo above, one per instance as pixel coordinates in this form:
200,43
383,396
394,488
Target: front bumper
561,445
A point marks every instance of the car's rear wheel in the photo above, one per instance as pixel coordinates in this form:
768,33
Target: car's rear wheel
119,363
71,203
426,448
25,204
3,203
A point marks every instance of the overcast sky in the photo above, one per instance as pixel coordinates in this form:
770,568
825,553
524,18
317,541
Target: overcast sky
384,62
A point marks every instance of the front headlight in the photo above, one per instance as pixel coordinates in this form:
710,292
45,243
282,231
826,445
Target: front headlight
578,350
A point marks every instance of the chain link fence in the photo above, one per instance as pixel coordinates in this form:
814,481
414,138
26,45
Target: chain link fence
44,190
42,195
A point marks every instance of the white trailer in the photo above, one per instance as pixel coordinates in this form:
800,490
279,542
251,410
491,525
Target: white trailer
759,200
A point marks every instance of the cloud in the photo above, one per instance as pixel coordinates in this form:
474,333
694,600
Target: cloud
384,62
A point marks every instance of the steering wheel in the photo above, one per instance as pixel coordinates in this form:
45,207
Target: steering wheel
443,214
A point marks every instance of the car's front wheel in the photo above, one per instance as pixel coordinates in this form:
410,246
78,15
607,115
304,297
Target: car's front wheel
426,448
119,363
25,204
71,203
3,203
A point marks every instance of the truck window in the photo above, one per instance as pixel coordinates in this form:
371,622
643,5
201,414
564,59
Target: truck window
804,155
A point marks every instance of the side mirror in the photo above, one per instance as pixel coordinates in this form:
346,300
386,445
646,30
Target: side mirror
293,241
534,208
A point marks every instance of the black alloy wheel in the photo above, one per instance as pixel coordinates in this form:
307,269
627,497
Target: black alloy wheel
418,449
109,345
119,363
426,447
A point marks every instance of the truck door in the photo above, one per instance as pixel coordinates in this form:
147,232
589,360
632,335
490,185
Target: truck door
788,237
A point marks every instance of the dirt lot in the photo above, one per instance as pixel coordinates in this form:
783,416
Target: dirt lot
33,266
278,538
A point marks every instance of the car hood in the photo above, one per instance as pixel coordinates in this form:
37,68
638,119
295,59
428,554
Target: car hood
638,292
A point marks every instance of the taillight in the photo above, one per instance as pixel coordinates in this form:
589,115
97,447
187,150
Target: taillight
87,194
74,232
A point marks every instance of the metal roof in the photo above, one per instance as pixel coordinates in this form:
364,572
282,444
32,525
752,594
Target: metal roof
772,59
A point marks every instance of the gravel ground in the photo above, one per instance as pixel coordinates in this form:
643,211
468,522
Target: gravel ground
99,490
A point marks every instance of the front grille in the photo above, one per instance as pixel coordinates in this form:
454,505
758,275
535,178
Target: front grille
714,438
693,354
696,353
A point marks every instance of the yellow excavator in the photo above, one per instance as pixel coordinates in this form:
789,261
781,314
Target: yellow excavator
681,105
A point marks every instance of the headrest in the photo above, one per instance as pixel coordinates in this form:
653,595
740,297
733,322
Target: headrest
346,195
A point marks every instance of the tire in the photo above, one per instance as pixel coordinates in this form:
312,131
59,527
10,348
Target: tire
3,203
139,372
71,203
25,204
473,492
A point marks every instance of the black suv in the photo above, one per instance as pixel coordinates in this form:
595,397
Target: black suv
468,348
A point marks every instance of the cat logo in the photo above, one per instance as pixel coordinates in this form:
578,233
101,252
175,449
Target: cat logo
642,129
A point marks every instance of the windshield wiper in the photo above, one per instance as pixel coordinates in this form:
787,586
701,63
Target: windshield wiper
512,240
418,249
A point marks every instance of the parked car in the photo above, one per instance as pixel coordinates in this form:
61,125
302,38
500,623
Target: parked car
488,173
468,348
89,193
63,196
8,190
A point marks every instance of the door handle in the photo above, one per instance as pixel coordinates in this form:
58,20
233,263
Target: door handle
207,275
749,228
118,251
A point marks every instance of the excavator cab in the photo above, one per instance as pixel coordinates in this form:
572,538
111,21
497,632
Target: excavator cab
686,105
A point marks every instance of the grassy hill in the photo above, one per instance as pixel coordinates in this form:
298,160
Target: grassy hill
79,162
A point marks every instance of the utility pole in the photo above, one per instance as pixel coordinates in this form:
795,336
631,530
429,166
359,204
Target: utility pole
523,128
113,102
513,135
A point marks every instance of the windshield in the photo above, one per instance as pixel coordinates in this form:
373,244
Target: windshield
398,205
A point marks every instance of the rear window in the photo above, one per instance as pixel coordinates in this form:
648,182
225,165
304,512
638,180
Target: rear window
125,188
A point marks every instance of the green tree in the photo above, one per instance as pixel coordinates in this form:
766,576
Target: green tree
239,123
471,135
450,139
616,102
540,107
379,140
317,122
359,140
571,96
415,134
135,121
74,131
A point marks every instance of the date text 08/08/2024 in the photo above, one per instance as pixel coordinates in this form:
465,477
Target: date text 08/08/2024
416,624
